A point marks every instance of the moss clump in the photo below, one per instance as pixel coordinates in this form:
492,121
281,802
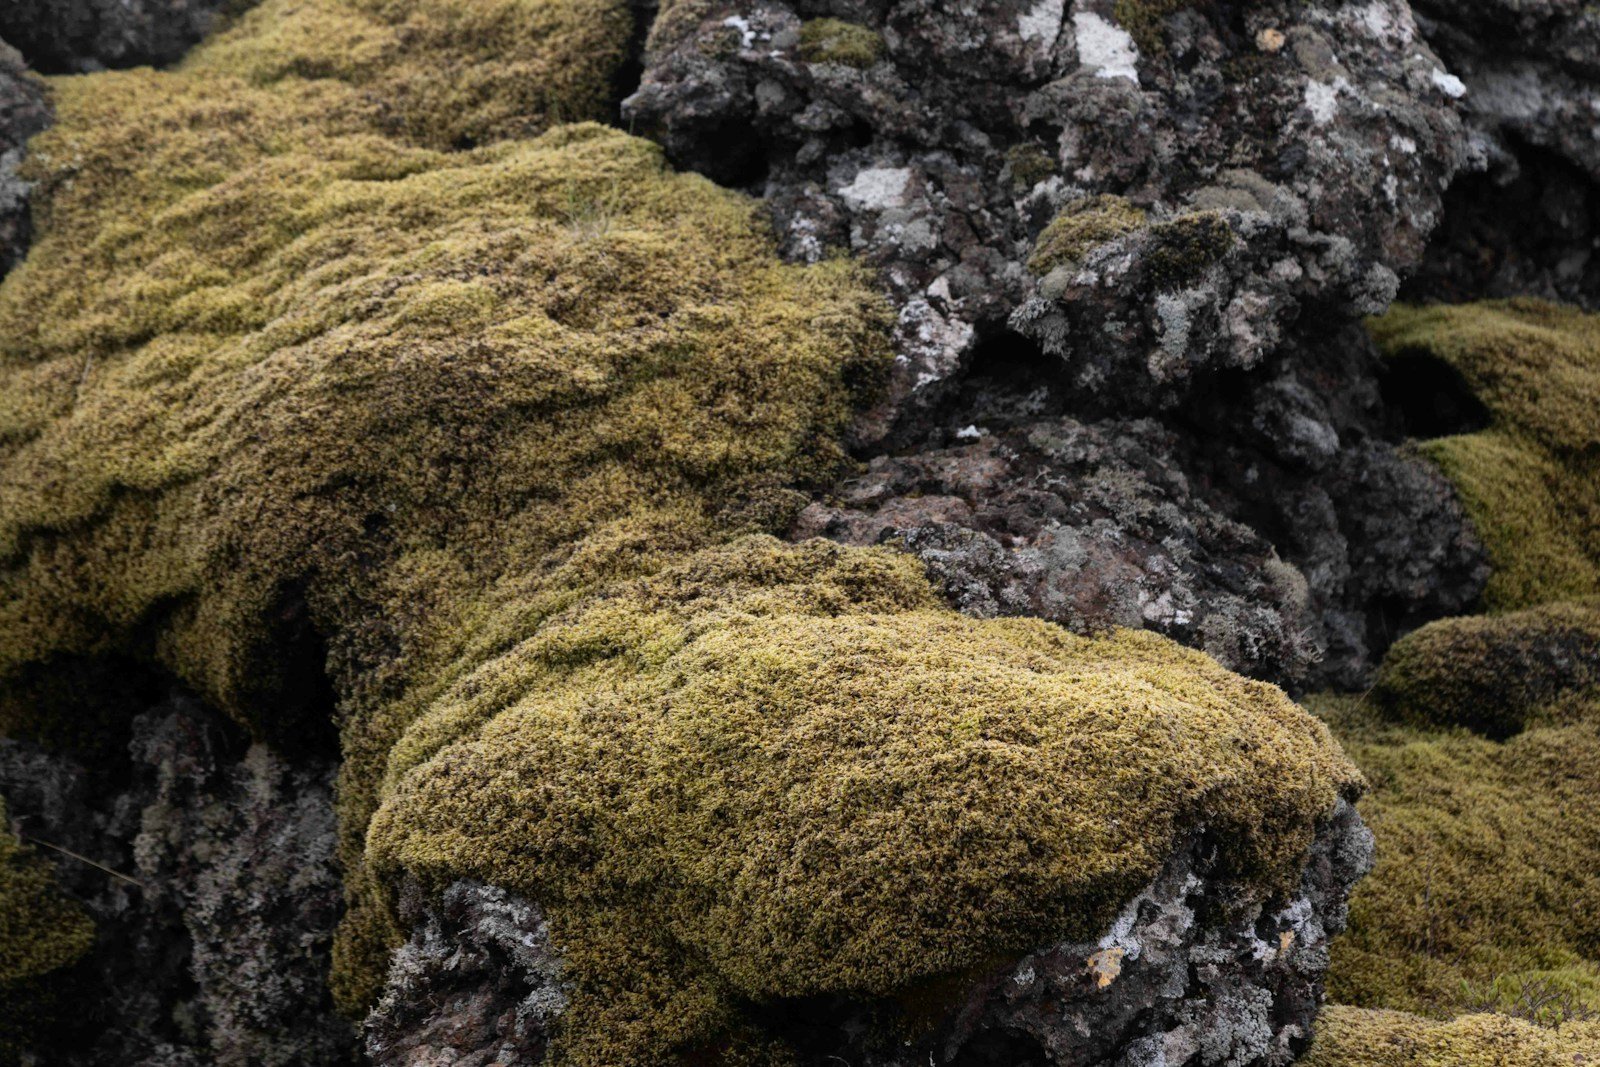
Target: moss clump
438,73
1080,227
1493,673
478,422
929,791
837,41
1488,868
1146,21
1354,1037
1028,165
1182,248
41,932
1531,480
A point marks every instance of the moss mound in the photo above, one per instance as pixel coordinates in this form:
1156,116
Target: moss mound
1494,673
782,769
1531,480
41,932
836,41
491,432
1080,227
1353,1037
1487,882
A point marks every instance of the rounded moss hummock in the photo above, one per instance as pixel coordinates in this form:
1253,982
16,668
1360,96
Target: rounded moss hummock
1493,673
1531,480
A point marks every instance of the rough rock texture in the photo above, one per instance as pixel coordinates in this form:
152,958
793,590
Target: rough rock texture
1274,522
1115,212
207,863
1524,222
1267,158
67,36
24,111
1193,972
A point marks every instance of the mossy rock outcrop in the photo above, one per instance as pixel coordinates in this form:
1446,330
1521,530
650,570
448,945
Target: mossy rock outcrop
495,433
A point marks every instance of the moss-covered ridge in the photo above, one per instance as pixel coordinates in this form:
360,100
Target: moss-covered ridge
1353,1037
497,429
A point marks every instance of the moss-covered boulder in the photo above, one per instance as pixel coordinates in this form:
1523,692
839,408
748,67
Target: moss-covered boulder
1353,1037
1531,479
1492,673
491,435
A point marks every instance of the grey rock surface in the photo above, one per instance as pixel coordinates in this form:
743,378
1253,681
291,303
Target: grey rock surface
24,111
1273,157
207,863
72,36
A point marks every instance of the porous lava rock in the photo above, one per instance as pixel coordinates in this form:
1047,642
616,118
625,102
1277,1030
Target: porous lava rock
72,36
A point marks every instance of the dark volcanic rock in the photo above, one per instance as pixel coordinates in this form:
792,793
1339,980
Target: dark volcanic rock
1193,972
208,866
1259,160
24,111
68,36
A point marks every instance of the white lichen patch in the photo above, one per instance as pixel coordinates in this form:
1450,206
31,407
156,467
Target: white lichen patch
1105,47
1322,99
877,188
747,35
1041,23
1449,84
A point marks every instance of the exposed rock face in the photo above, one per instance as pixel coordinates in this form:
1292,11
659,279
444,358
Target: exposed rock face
208,866
1179,227
1293,158
68,36
24,111
1525,222
1192,972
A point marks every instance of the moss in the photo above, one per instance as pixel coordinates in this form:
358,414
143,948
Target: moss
41,932
1354,1037
835,41
439,73
1029,165
1080,227
1493,673
1181,249
1488,871
1531,480
484,423
1146,20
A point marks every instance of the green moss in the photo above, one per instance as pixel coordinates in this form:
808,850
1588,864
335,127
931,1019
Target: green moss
439,73
1080,227
1488,871
41,932
1353,1037
1181,249
1029,165
487,421
1531,480
1146,21
836,41
1493,673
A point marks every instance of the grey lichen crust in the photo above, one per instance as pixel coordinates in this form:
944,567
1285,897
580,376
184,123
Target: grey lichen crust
1194,971
70,36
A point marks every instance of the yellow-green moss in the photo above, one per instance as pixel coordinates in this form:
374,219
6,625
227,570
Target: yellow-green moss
1492,673
1531,480
835,41
1183,247
1488,870
1355,1037
1146,21
439,73
1080,227
487,423
41,932
1028,165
